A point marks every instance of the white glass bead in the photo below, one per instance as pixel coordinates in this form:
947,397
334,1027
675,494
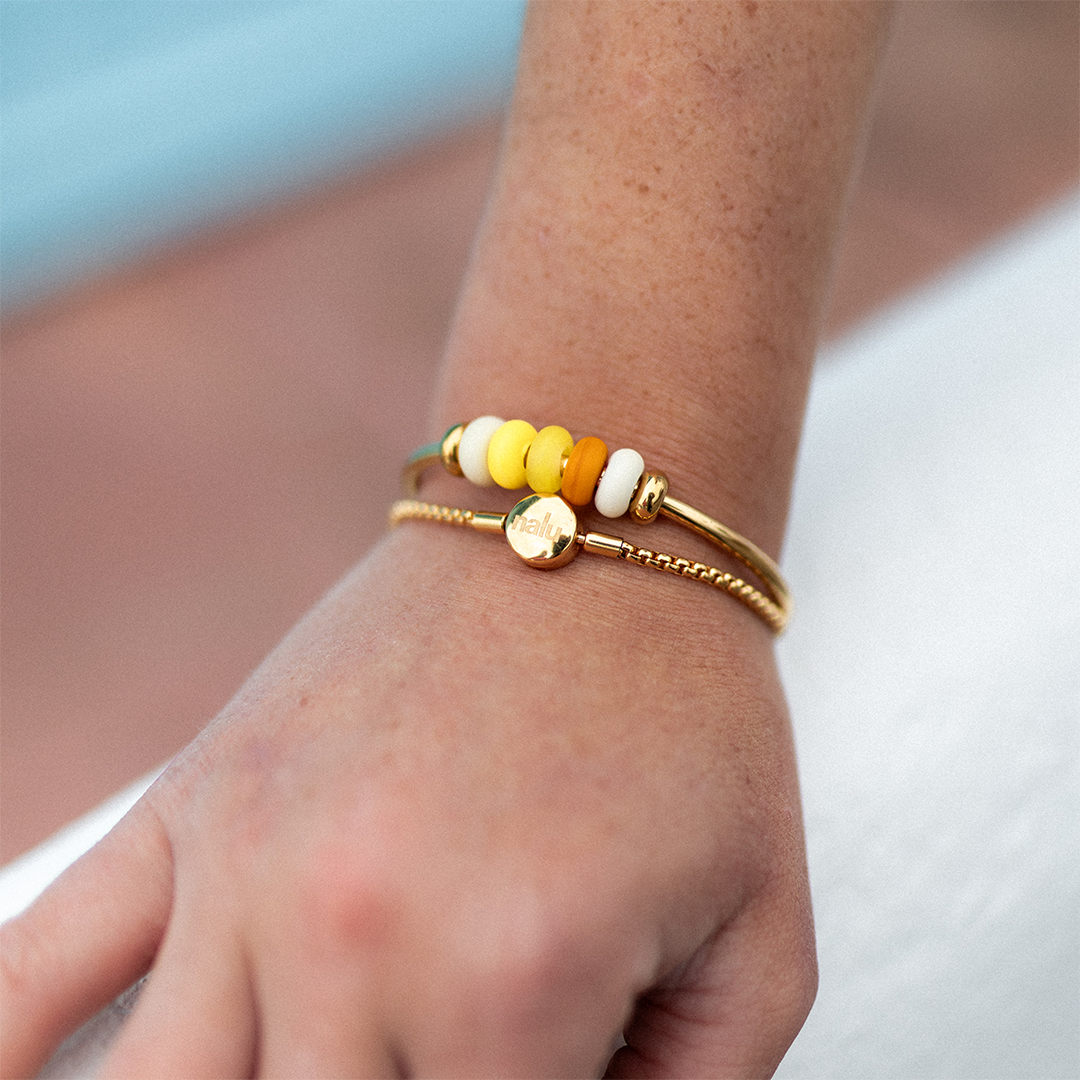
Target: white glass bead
616,487
473,449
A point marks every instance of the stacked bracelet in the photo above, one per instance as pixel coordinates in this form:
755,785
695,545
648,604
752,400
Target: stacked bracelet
542,527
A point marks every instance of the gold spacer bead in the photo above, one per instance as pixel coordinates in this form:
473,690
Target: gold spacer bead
483,521
651,491
448,450
602,544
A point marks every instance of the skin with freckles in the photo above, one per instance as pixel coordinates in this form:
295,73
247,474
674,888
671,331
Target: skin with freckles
474,820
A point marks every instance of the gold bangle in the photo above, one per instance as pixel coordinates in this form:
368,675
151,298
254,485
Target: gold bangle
645,495
595,543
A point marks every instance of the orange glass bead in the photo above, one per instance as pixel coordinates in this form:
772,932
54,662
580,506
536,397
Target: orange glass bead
583,469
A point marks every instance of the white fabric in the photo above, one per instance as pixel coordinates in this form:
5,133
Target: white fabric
22,879
933,667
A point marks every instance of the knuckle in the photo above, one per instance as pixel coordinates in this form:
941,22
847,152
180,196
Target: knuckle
345,904
516,980
525,969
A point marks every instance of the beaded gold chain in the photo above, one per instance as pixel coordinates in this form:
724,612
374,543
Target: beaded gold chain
602,544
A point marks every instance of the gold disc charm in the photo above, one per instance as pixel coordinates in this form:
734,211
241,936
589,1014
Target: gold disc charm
542,529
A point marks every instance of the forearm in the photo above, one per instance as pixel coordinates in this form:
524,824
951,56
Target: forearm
656,255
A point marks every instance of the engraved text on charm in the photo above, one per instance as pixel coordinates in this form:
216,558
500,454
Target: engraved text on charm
542,529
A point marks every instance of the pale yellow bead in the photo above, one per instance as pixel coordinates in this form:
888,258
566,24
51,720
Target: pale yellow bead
543,466
506,453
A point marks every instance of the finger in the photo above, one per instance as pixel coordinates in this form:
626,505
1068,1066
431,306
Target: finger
89,936
322,1020
325,954
734,1009
328,1050
195,1016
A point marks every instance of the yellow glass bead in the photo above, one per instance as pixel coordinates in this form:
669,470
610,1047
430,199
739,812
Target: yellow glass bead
506,453
543,466
583,470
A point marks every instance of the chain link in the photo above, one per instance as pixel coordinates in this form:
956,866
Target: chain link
734,586
414,510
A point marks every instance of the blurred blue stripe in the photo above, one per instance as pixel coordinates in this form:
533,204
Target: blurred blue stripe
127,122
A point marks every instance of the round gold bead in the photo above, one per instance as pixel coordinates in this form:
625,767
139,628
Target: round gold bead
448,449
542,529
651,491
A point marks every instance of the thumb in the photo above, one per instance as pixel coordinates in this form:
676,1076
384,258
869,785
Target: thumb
734,1009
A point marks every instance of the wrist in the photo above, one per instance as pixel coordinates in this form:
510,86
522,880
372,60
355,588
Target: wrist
548,528
474,588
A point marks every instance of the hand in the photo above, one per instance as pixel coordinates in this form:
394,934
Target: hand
469,819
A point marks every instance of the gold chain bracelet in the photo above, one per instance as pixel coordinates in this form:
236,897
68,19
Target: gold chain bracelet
597,543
